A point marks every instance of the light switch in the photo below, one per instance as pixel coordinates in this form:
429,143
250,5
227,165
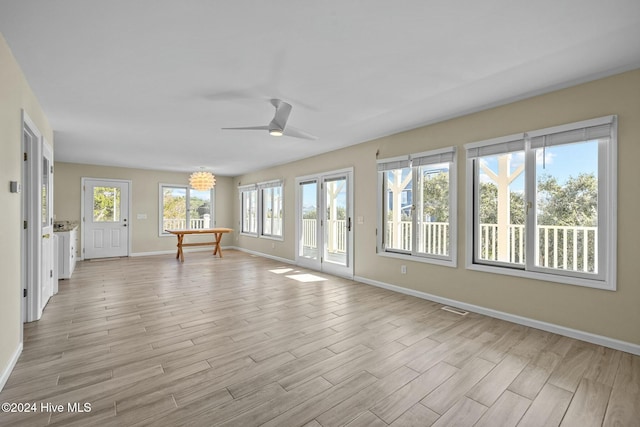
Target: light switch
15,187
360,220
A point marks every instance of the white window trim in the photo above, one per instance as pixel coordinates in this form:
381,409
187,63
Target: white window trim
259,208
241,190
161,232
414,255
262,186
607,218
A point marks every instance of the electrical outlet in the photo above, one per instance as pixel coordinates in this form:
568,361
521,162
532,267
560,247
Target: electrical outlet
403,269
273,245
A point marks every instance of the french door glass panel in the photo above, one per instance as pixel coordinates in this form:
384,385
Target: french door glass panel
336,220
309,228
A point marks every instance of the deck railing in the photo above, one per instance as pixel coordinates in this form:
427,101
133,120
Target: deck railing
180,224
561,247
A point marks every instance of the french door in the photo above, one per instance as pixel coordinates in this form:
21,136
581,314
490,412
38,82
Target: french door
37,240
324,222
105,217
46,219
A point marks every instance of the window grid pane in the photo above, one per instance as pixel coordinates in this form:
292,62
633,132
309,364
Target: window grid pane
106,204
500,233
432,216
398,205
567,207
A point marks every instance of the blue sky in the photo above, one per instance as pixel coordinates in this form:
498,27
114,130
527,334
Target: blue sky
562,162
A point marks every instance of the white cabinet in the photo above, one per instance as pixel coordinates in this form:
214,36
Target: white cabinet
67,243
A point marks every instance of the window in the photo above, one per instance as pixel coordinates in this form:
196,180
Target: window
418,206
271,206
249,209
262,209
542,204
183,208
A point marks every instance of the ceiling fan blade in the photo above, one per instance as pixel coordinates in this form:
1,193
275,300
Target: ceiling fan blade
297,133
283,110
249,128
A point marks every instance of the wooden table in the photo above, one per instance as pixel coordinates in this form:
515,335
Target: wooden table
217,234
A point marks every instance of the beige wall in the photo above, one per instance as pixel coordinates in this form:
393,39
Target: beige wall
612,314
15,95
144,196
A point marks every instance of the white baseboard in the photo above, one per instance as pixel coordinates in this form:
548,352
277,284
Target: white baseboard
273,257
549,327
173,251
12,363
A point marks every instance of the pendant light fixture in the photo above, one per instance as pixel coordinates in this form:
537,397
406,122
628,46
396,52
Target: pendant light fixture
202,181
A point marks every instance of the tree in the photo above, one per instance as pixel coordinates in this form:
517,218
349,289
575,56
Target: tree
106,204
435,197
489,205
175,207
573,204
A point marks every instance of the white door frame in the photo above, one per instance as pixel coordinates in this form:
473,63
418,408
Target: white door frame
82,213
348,270
31,259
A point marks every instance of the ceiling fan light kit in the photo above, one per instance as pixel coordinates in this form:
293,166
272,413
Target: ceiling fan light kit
278,126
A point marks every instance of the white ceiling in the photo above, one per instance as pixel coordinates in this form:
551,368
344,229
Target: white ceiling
149,83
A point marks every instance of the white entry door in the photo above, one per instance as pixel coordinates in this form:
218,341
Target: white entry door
325,229
106,218
46,220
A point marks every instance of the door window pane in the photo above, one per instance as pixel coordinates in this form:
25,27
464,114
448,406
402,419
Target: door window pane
45,192
106,204
336,221
309,210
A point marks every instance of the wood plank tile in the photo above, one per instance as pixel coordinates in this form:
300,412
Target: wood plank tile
416,416
319,403
588,405
447,394
150,342
393,406
506,412
489,389
464,413
350,408
548,408
367,419
572,367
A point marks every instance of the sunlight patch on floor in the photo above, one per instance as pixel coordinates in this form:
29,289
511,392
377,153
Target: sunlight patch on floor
306,278
281,270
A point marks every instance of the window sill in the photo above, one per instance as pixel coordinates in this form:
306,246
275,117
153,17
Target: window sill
436,261
547,277
249,234
277,238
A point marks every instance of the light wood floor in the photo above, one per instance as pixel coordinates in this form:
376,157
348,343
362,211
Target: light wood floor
239,342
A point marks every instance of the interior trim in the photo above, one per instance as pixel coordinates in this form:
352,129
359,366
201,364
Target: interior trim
12,363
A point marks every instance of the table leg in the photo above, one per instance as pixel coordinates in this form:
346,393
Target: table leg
216,245
180,254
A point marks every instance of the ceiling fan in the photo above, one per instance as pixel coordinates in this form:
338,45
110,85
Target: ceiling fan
278,126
